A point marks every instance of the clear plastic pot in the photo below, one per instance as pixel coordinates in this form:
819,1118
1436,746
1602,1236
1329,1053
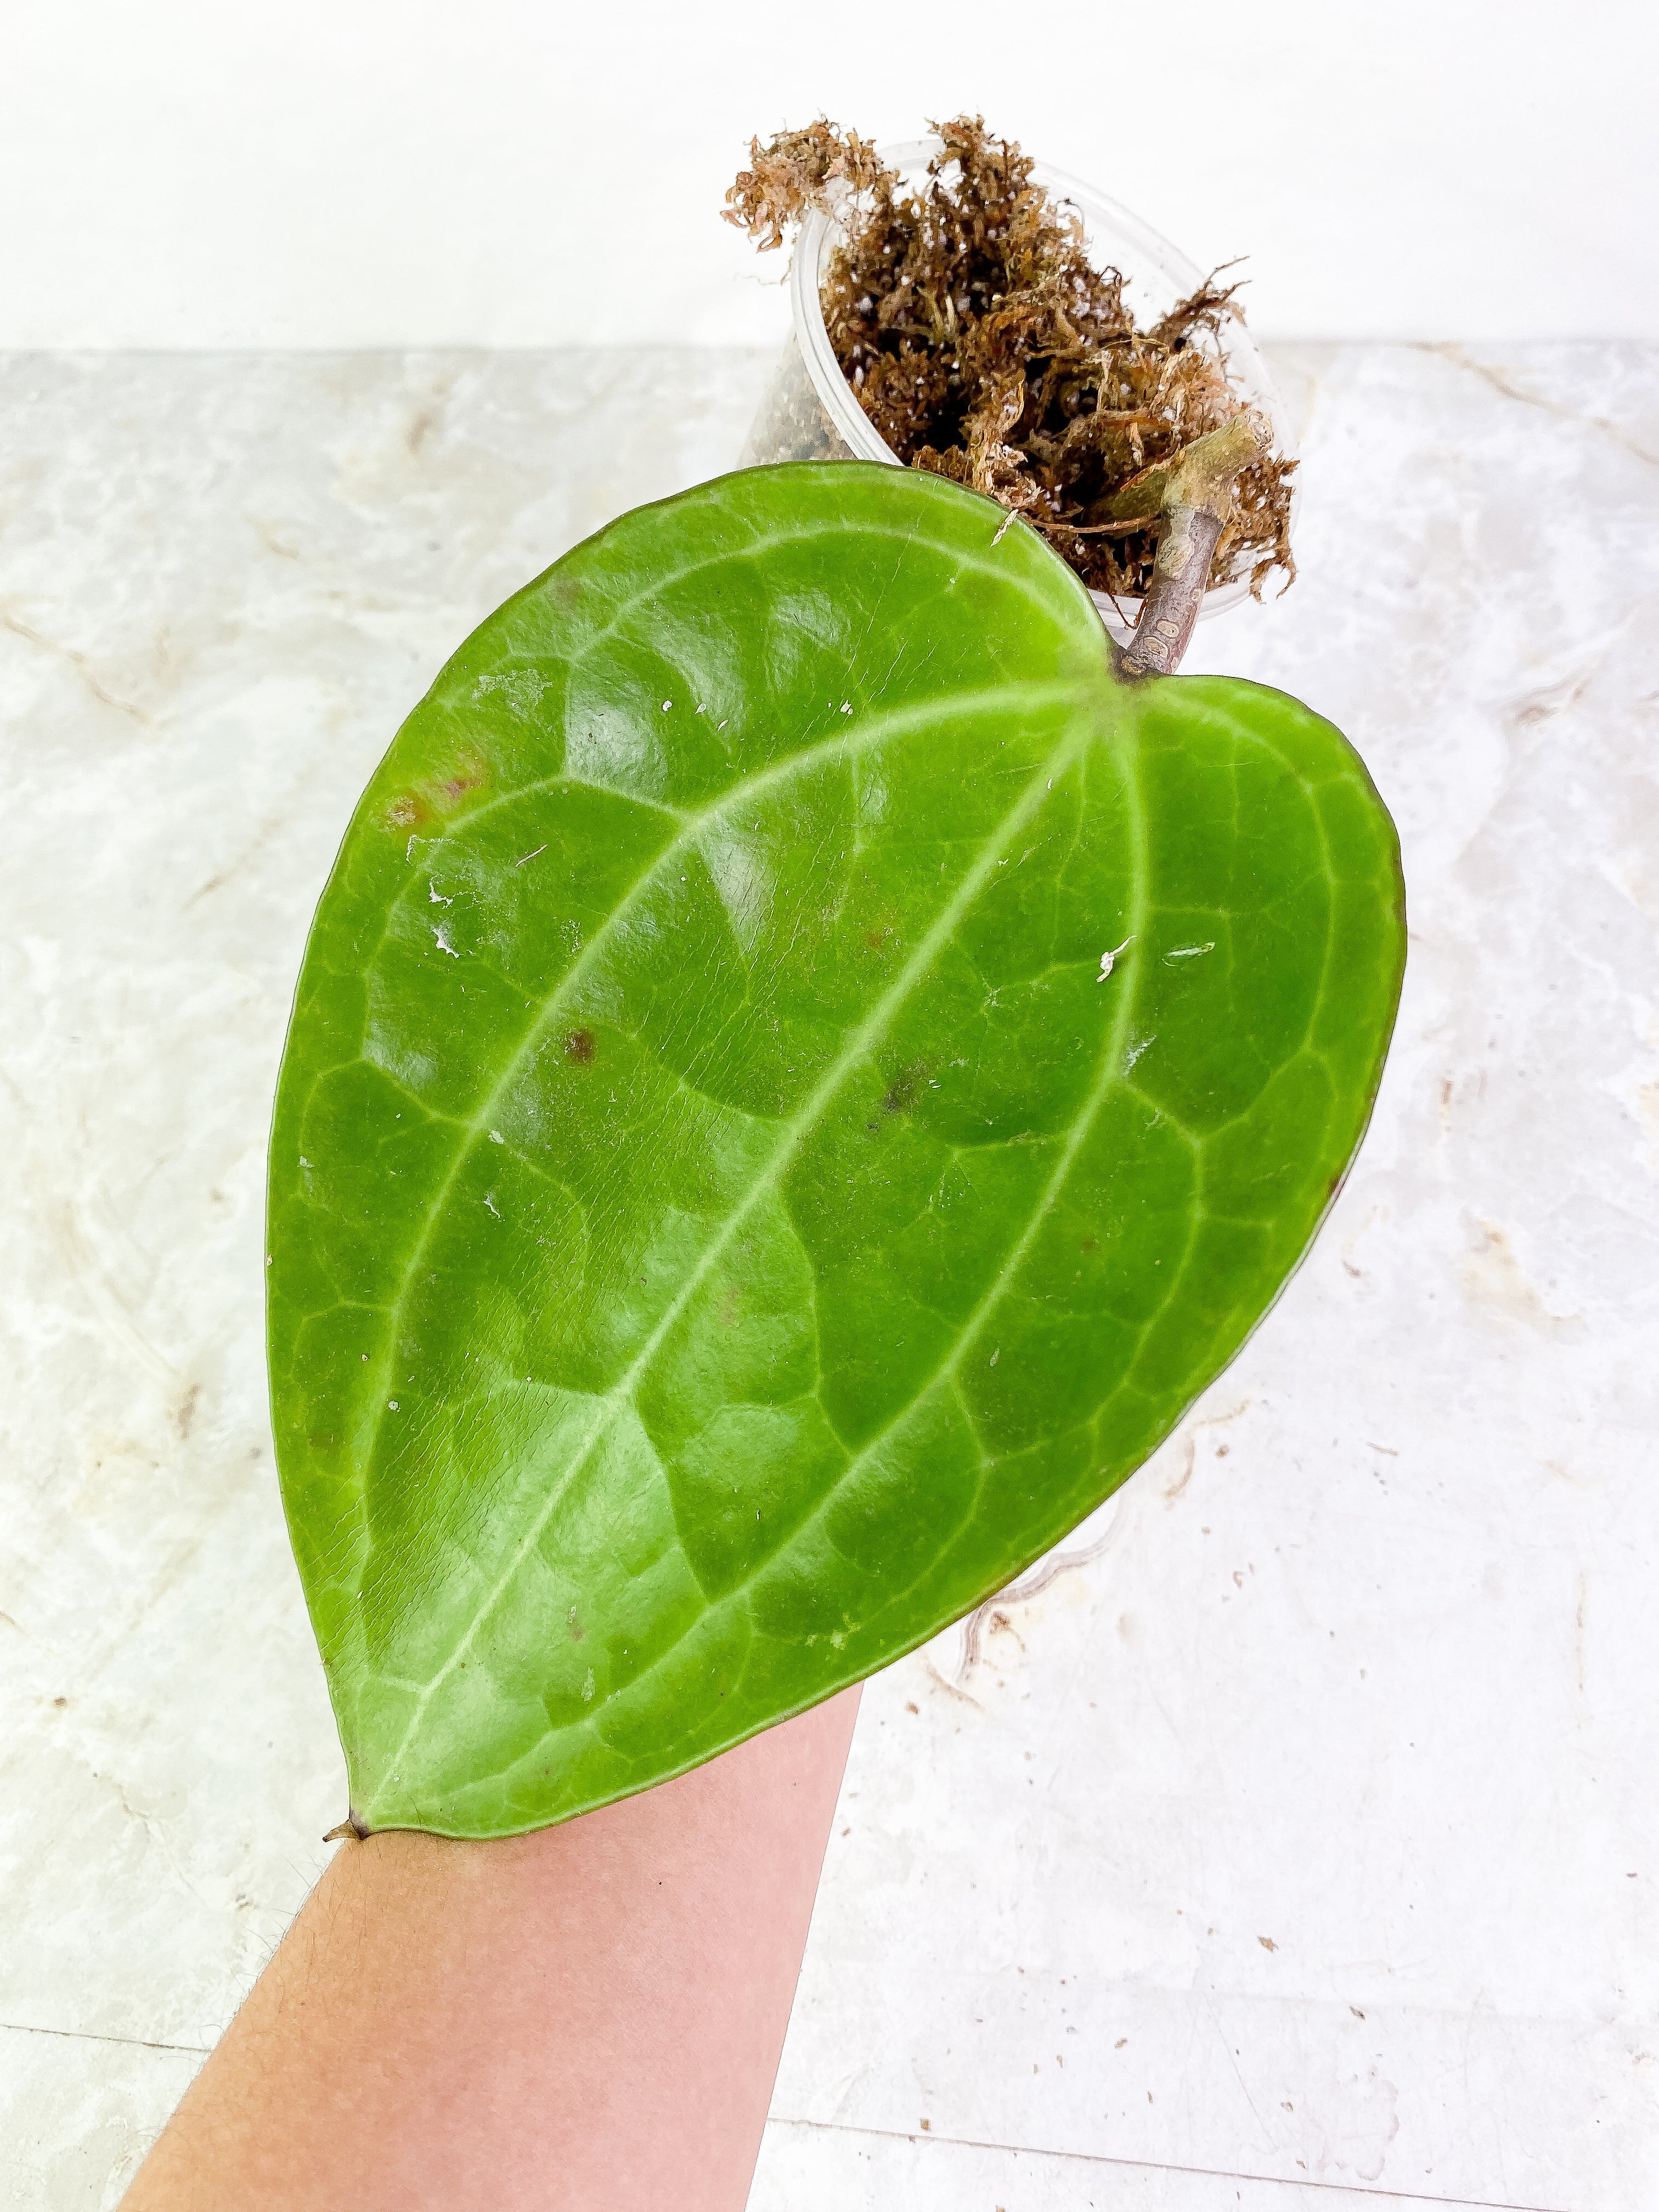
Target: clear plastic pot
810,413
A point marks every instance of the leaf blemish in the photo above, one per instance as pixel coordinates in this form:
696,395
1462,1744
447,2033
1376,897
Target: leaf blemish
410,808
578,1046
1107,959
905,1088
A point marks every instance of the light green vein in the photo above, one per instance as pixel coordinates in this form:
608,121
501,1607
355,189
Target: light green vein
616,614
861,736
854,1053
1108,1078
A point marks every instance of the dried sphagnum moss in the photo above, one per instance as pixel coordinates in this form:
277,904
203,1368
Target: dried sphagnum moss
984,345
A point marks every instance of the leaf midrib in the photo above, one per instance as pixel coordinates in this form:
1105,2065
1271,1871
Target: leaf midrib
853,1051
860,737
1108,1077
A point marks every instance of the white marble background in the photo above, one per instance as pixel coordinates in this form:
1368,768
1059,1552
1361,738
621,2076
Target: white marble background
1295,1851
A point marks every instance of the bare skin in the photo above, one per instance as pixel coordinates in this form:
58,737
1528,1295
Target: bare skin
588,2017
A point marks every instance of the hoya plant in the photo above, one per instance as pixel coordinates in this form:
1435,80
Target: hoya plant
808,1062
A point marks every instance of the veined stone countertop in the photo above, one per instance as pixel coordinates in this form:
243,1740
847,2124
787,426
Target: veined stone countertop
1296,1848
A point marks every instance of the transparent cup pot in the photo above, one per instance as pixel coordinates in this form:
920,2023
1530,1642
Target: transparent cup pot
810,413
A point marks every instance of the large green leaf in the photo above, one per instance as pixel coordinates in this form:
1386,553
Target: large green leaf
727,1215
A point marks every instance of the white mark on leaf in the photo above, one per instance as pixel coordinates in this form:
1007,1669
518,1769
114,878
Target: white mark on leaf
434,897
588,1687
523,857
1107,958
996,1355
522,688
443,942
497,1138
490,1201
1137,1047
1189,951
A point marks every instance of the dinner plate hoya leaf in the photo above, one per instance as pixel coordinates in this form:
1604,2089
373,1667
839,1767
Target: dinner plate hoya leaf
801,1073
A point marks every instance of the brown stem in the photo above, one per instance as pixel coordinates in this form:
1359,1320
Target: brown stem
1194,494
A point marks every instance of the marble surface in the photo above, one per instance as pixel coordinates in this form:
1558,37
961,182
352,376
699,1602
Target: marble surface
1294,1846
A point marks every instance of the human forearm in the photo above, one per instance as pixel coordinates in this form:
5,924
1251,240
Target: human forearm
588,2016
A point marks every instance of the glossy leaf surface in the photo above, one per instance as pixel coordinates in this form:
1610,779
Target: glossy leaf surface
728,1213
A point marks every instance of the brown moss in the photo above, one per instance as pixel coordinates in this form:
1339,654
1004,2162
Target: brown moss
984,345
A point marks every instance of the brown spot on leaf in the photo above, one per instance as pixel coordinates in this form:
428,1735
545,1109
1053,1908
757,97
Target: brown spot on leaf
1089,1244
437,795
578,1046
